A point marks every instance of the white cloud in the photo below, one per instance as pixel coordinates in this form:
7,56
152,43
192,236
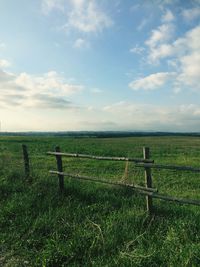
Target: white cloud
182,45
4,63
158,43
86,16
187,44
190,70
191,14
160,35
168,16
183,55
81,43
83,15
152,82
162,51
137,49
50,81
45,91
49,5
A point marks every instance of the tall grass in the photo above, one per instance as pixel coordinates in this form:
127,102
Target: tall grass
93,224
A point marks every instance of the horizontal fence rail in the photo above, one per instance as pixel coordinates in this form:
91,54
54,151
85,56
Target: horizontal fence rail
174,199
169,167
97,180
99,157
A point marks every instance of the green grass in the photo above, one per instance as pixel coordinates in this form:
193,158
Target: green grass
93,224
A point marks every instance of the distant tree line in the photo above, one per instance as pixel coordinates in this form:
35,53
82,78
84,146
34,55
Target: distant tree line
101,134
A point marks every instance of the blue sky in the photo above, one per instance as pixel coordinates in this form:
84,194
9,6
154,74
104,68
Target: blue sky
100,65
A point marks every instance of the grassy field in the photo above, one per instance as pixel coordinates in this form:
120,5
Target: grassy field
93,224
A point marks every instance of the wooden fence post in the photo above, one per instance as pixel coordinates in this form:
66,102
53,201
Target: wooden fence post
60,169
148,180
26,161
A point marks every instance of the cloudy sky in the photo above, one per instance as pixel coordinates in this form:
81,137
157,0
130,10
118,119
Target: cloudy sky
100,65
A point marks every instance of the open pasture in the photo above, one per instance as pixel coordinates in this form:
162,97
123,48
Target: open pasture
93,224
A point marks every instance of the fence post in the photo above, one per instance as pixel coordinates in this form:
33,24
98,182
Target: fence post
60,169
148,180
26,161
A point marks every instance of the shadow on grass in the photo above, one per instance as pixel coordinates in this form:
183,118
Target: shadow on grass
90,193
84,194
117,197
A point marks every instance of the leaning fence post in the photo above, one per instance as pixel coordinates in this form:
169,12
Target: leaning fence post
60,169
26,161
148,180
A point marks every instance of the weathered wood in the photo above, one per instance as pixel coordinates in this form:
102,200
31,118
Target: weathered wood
148,180
99,157
26,161
146,189
174,199
137,189
170,167
97,180
60,169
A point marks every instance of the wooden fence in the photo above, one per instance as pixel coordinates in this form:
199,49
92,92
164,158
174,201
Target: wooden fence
144,162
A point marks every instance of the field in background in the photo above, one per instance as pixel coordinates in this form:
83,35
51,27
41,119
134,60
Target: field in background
93,224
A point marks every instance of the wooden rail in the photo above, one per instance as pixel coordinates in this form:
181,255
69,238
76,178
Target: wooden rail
169,167
99,157
97,180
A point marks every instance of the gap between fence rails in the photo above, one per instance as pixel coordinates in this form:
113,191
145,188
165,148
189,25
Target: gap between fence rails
152,192
138,189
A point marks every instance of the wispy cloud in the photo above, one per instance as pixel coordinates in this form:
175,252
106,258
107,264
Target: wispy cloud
152,82
191,14
49,5
82,15
160,35
86,16
142,24
81,43
46,91
168,16
137,49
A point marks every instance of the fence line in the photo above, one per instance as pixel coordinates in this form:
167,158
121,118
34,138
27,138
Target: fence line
145,163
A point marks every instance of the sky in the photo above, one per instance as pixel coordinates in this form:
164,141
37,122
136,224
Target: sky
118,65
